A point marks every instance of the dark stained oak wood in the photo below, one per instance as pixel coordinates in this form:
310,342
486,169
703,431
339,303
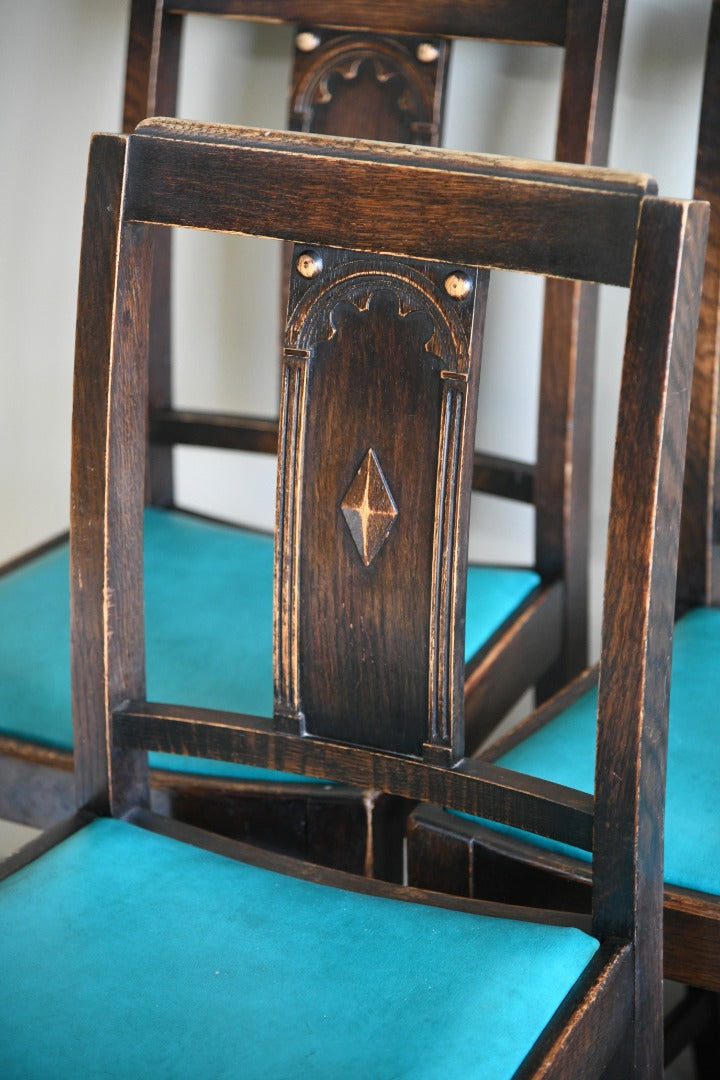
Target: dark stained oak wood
322,99
476,862
505,20
326,824
368,74
500,476
386,333
380,71
399,80
151,85
530,644
571,1046
634,599
612,1019
106,318
170,427
482,864
592,47
153,60
589,236
227,736
351,81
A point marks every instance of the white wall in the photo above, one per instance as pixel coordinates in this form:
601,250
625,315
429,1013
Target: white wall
61,72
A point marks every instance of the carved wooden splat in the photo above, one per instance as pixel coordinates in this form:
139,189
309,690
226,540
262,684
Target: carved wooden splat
369,85
377,417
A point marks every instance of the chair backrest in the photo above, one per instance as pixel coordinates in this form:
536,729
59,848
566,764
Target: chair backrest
379,71
699,559
369,564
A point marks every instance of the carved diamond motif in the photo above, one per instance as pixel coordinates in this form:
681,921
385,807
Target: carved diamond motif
369,508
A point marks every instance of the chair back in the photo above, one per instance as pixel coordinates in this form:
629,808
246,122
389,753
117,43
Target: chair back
379,379
380,72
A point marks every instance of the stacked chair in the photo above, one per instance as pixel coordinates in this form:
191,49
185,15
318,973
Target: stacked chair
133,944
557,742
304,691
379,72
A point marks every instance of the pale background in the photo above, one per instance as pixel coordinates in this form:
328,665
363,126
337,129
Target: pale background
61,77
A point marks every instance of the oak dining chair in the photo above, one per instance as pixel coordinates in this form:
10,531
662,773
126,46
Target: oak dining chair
377,71
131,943
557,742
380,72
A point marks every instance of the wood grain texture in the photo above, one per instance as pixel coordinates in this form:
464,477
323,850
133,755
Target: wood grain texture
571,1045
187,427
287,584
376,66
347,317
562,476
381,86
506,20
635,671
637,629
380,334
152,77
327,824
391,85
141,62
152,66
502,476
491,474
592,49
562,479
370,86
110,323
589,215
472,786
691,951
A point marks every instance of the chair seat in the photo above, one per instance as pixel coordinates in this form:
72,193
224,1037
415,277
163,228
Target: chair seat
209,630
125,953
564,751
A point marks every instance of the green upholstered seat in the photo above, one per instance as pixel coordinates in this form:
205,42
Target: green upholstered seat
126,954
209,629
564,751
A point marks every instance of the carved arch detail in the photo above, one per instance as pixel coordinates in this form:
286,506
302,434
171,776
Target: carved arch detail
341,63
311,321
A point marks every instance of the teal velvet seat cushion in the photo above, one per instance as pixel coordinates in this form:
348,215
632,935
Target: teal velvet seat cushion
209,629
564,751
126,954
